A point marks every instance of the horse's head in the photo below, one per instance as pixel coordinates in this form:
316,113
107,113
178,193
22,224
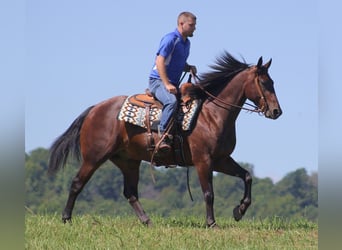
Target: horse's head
260,90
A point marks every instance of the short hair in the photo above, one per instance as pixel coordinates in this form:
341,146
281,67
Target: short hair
185,14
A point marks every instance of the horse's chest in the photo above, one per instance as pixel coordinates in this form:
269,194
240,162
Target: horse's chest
226,143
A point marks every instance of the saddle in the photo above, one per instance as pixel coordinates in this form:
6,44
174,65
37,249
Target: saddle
141,100
144,110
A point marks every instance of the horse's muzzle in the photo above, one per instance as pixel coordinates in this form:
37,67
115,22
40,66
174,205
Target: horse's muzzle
273,113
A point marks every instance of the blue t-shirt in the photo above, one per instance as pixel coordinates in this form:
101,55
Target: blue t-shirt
175,51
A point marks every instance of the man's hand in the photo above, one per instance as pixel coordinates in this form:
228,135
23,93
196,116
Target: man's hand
191,68
171,88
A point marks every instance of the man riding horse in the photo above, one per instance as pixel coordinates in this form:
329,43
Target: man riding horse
169,64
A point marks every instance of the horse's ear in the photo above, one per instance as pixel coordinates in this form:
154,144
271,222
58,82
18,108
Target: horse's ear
268,64
259,62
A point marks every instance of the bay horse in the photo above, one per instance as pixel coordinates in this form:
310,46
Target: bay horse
97,136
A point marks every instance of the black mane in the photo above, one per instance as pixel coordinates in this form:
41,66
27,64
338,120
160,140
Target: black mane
223,71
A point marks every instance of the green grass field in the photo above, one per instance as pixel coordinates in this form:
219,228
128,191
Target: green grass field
105,232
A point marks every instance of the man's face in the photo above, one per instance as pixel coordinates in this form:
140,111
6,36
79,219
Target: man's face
188,27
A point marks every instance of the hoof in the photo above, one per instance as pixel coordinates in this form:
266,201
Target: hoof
66,219
148,223
237,214
213,226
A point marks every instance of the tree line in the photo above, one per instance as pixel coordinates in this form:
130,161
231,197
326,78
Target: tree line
295,195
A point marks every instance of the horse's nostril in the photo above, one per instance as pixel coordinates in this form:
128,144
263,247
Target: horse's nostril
276,112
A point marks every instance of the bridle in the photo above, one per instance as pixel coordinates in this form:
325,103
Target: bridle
260,110
262,102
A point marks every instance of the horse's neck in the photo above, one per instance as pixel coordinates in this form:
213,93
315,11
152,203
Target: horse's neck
233,97
233,93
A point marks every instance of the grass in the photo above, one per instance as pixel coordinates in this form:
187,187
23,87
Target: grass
105,232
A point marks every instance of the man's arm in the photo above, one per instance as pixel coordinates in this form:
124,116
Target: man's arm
160,63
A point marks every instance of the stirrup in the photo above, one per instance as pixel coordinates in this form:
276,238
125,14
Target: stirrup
166,139
164,144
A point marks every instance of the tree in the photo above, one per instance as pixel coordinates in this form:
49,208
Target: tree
295,195
303,188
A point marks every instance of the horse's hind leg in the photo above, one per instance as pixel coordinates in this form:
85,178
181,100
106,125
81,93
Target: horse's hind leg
78,182
130,171
231,167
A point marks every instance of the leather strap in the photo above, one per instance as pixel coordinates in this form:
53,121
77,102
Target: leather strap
150,140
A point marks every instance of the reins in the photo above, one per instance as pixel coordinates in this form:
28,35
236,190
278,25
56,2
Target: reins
227,104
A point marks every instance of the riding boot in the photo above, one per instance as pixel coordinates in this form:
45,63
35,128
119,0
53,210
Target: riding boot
165,145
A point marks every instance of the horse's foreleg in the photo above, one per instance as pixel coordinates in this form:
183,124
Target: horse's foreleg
130,171
206,180
246,201
139,211
231,167
79,181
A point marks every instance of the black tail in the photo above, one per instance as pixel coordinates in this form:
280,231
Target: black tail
68,142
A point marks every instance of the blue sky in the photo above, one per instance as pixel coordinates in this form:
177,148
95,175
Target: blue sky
79,53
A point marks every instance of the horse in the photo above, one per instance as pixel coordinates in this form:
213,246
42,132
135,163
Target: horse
96,136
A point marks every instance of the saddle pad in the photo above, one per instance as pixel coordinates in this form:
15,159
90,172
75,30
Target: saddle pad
137,115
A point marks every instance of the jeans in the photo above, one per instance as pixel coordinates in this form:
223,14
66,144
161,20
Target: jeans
168,100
